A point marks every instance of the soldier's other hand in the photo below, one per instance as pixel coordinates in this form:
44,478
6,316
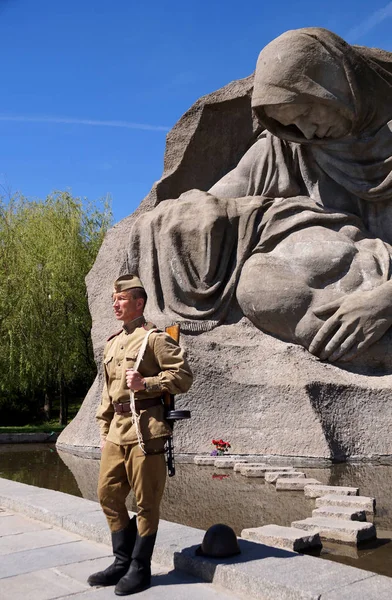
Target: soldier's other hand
135,381
103,442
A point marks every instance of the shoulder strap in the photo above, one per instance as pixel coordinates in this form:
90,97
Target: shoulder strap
142,349
136,417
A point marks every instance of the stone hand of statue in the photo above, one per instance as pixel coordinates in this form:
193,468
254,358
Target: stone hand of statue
357,321
135,381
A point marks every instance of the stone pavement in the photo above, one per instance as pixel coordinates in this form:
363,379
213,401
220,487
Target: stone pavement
38,557
42,562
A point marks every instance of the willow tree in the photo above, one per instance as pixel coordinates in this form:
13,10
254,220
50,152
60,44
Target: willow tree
46,249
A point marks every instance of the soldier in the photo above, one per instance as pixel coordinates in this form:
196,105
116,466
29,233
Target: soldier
140,363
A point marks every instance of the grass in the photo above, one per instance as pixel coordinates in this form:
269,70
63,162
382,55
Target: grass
49,427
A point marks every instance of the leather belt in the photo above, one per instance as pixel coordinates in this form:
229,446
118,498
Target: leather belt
125,407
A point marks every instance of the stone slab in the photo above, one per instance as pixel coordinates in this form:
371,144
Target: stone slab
166,583
14,524
377,587
36,538
45,584
365,503
346,513
288,538
71,582
268,573
315,491
260,470
40,558
238,465
338,530
204,461
228,463
294,484
273,476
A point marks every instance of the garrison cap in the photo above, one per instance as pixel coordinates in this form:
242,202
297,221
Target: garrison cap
127,282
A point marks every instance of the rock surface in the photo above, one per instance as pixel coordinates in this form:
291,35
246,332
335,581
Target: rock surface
264,395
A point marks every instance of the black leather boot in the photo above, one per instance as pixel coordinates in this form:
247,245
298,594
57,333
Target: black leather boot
138,576
123,542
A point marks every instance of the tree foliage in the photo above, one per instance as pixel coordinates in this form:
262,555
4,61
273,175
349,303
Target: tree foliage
46,249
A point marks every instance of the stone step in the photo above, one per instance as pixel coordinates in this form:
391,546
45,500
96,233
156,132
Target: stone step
278,536
228,463
365,503
338,530
238,464
273,476
206,461
260,470
347,513
315,491
294,484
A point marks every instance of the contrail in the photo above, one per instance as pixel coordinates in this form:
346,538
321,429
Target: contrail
375,19
91,122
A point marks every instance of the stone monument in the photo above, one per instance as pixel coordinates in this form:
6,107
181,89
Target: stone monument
268,239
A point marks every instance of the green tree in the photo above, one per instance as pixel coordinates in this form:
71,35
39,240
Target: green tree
46,249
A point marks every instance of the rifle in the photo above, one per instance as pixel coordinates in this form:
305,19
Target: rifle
172,415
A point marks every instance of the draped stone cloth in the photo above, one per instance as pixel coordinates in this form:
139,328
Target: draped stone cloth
189,252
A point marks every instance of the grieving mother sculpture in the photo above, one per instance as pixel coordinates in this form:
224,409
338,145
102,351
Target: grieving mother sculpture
300,231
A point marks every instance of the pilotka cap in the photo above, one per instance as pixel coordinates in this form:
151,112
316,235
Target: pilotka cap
127,282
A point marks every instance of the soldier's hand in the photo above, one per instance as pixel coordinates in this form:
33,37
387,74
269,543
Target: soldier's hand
135,381
103,442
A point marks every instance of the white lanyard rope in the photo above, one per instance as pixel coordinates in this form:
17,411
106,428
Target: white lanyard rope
135,415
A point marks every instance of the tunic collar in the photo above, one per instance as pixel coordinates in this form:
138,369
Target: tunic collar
132,325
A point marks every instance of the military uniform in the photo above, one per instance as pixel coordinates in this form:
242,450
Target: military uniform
164,368
134,435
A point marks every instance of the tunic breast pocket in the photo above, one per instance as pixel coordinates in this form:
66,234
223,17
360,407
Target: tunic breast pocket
108,362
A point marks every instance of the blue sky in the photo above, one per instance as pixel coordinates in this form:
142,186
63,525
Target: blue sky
90,88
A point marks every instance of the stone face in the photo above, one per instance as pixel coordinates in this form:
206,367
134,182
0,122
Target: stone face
315,491
272,477
294,484
357,502
346,513
292,386
282,537
338,530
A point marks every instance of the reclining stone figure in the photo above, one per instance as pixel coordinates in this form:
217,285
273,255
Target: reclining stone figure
299,232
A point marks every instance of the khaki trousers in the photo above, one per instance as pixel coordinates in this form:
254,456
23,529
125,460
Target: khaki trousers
124,468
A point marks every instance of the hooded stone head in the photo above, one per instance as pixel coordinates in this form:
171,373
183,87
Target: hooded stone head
310,85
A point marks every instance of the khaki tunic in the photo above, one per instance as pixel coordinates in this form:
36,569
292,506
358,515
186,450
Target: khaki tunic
164,368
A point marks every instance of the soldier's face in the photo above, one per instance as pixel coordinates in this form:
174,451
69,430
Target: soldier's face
125,307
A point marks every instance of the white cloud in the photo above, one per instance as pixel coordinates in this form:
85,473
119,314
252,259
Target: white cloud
368,24
91,122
